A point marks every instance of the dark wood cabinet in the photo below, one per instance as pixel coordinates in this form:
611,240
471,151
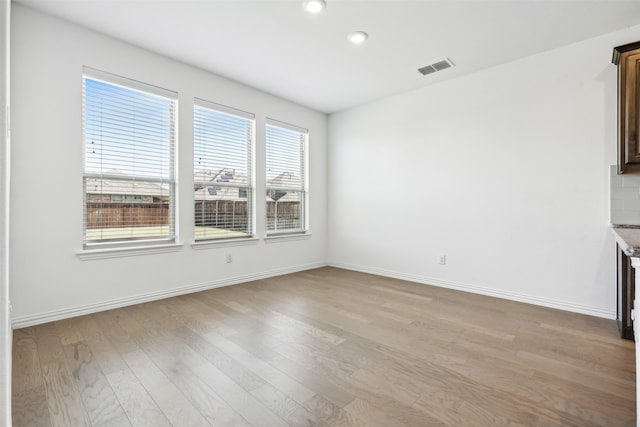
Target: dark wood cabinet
627,58
626,292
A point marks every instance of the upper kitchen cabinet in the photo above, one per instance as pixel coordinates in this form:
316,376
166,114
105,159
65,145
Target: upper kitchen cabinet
627,58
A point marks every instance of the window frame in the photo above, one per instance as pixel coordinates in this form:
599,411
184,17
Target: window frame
303,189
249,186
146,243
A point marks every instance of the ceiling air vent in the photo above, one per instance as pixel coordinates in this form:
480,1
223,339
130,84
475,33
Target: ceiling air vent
436,66
427,70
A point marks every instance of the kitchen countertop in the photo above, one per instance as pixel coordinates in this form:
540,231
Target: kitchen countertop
628,237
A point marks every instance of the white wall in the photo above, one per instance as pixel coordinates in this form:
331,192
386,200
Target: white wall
6,335
48,280
505,171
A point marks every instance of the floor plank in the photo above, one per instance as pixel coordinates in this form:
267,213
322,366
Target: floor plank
29,408
26,372
100,402
137,403
63,399
171,401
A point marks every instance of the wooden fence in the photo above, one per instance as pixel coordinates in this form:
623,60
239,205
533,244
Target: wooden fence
227,214
121,215
288,216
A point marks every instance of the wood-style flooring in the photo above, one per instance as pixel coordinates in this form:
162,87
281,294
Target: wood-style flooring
325,347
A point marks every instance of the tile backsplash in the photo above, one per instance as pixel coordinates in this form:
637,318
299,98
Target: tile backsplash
625,198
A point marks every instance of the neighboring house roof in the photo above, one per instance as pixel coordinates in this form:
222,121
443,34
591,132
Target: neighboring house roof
206,191
284,180
125,187
213,192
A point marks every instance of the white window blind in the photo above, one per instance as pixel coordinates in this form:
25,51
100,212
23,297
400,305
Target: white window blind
286,159
223,171
129,158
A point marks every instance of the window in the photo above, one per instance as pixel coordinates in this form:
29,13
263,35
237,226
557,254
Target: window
223,171
129,161
286,148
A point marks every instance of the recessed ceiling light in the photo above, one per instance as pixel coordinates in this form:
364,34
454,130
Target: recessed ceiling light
314,6
358,37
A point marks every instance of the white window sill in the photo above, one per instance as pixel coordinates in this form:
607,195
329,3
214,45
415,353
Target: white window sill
91,254
224,243
273,238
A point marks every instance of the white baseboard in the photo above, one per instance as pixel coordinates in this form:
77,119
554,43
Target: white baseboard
514,296
50,316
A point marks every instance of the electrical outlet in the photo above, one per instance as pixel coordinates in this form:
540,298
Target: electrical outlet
229,257
442,260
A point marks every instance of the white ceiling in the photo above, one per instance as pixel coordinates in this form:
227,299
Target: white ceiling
277,47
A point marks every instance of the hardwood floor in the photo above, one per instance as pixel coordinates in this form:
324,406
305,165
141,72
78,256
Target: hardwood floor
325,347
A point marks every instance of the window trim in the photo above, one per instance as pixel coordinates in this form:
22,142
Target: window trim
251,184
285,125
148,244
224,243
285,237
306,229
122,252
129,83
